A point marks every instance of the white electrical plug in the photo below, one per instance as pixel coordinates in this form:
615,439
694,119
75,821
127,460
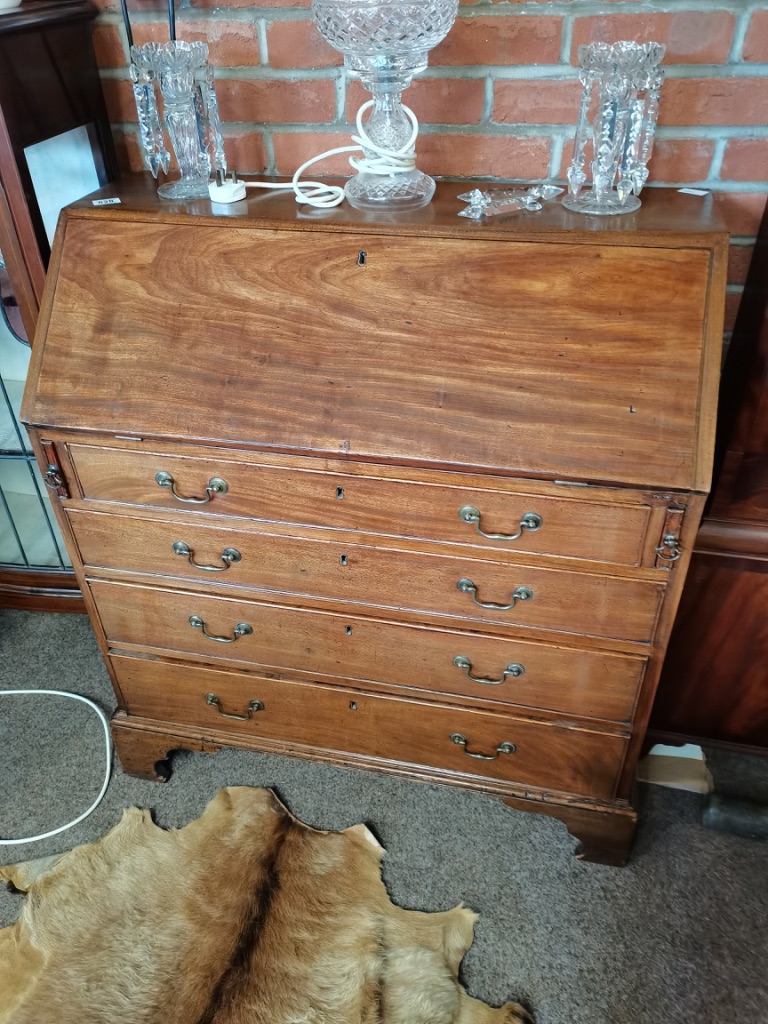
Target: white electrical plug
226,191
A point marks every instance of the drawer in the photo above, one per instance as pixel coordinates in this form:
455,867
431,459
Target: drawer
600,531
343,720
590,684
472,589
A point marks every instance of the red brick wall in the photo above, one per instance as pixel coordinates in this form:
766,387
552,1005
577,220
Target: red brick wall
500,97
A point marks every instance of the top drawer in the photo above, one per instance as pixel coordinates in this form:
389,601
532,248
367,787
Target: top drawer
529,522
526,357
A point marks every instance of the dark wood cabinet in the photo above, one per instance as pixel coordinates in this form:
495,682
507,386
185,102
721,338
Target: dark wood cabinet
714,687
49,85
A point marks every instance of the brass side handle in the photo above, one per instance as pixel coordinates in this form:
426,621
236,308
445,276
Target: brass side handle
465,664
241,629
466,586
228,556
215,486
212,700
670,549
530,521
53,478
503,748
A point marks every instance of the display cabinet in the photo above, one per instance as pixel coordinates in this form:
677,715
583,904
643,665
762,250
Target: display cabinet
55,146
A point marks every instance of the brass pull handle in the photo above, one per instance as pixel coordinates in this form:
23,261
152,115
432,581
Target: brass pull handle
669,549
521,594
464,663
503,748
228,556
241,629
530,521
215,486
212,700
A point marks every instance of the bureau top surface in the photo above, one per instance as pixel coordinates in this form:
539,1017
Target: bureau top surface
549,345
666,215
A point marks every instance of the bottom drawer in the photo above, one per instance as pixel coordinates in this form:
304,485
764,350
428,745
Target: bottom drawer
540,754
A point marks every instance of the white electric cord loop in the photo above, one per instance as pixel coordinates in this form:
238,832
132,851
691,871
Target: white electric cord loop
385,161
108,751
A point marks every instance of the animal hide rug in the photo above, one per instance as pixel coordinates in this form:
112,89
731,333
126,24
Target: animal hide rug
245,916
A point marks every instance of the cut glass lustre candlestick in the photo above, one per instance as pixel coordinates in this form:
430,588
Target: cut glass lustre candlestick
190,112
616,123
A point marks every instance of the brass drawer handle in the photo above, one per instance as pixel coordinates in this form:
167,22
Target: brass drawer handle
464,663
669,550
212,700
241,629
228,556
530,521
503,748
215,486
521,594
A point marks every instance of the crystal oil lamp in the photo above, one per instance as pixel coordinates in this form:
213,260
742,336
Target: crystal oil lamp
385,43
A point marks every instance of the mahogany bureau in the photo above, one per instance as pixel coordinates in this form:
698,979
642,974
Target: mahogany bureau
403,492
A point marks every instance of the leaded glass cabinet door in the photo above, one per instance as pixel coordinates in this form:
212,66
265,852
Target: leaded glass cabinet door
29,536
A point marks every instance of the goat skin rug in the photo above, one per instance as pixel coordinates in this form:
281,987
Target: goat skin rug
244,916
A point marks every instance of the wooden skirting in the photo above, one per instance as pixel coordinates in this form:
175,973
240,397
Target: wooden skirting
40,591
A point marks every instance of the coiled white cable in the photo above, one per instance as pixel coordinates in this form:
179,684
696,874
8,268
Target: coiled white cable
386,161
107,774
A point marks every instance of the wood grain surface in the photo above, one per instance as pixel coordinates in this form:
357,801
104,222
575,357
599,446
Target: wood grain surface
335,645
438,355
598,530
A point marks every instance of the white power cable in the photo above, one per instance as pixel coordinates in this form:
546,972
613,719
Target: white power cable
322,195
108,750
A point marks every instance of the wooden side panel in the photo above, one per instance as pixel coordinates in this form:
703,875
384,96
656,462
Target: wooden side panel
715,683
715,679
451,354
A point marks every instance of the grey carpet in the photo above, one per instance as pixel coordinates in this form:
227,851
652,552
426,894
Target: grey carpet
677,937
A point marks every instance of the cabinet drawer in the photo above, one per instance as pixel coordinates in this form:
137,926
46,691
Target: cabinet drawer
599,531
374,577
591,684
343,720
